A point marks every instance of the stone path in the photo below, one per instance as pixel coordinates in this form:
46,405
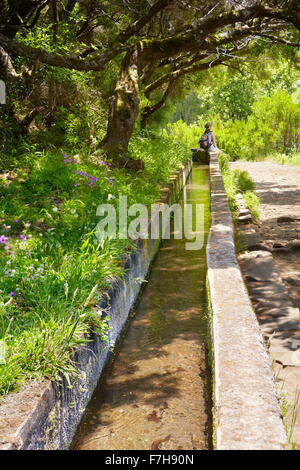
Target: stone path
272,275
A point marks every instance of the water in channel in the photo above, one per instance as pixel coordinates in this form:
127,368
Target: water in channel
155,393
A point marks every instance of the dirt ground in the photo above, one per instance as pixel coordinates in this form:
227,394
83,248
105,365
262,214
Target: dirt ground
278,187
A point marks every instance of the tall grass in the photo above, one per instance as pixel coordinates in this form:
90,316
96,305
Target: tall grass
53,270
238,181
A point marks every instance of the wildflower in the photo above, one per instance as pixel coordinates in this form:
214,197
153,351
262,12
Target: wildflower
65,155
3,239
23,237
16,221
110,180
75,184
90,183
28,253
11,294
6,227
69,160
103,163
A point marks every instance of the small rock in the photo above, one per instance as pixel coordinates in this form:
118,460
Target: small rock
295,246
293,280
245,219
284,249
278,245
286,219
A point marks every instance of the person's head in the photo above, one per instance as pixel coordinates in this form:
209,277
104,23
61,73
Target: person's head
208,126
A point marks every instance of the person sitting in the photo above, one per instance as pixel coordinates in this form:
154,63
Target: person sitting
208,140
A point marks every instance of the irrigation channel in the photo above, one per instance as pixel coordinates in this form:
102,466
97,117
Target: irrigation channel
155,393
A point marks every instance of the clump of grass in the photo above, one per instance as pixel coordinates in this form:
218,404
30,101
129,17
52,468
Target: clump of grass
292,158
242,181
252,202
238,181
224,163
289,414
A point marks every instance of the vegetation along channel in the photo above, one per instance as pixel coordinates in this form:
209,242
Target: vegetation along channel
101,105
155,394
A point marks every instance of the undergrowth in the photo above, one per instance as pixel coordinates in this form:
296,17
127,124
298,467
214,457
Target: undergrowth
53,269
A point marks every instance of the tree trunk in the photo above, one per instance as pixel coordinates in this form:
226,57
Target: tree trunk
124,110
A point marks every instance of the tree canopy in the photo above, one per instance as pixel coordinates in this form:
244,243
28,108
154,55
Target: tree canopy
154,44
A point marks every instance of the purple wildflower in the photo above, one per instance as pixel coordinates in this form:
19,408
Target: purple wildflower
16,221
11,294
23,237
28,253
103,163
69,160
110,180
65,155
90,183
3,239
75,184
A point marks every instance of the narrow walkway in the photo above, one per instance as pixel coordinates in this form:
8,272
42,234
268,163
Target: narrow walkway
278,187
156,392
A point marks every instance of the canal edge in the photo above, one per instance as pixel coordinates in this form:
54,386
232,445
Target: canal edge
246,411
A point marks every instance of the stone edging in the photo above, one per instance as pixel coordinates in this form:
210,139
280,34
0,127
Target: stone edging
45,416
246,407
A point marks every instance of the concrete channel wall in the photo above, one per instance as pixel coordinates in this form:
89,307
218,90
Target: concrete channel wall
44,415
246,407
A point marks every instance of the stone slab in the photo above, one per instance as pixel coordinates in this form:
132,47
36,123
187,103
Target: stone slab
246,406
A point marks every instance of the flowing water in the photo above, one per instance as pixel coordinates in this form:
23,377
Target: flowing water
155,393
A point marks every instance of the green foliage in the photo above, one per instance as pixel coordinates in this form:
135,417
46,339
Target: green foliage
234,99
242,181
283,159
252,202
53,270
273,126
186,135
238,181
169,150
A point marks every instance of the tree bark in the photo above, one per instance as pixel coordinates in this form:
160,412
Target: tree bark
124,110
